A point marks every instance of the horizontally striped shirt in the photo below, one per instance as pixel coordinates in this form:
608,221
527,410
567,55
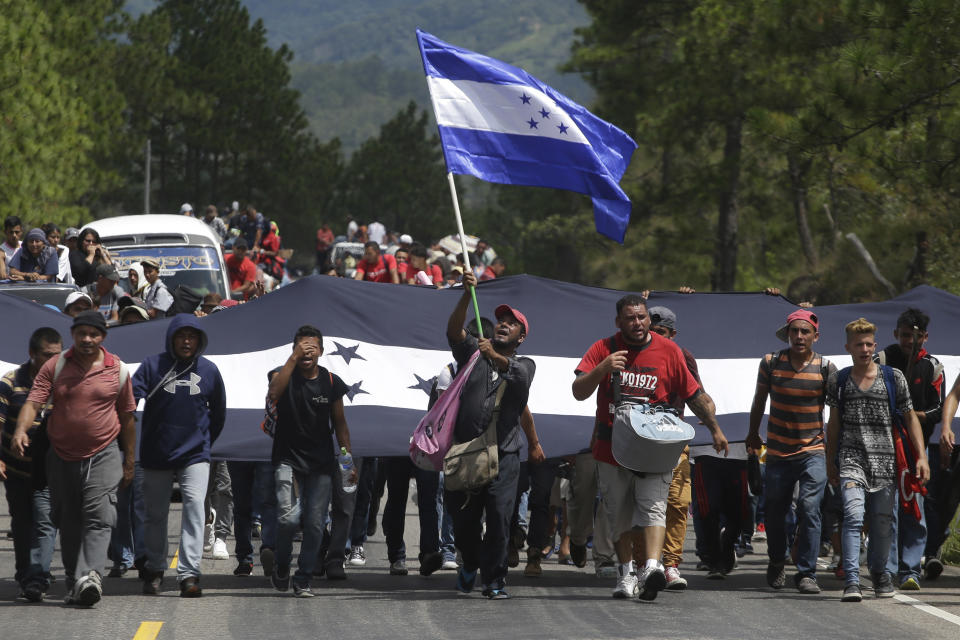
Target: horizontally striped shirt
14,387
795,425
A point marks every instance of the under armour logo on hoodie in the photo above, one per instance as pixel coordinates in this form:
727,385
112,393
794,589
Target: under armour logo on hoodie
193,383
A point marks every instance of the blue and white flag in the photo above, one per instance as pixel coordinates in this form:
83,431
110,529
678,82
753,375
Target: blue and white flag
500,124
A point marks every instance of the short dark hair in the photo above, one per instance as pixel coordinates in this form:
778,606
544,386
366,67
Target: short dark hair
11,222
373,244
485,323
240,243
913,318
87,231
417,249
498,260
44,335
631,300
50,228
308,331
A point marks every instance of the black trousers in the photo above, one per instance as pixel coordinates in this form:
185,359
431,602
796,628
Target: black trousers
720,490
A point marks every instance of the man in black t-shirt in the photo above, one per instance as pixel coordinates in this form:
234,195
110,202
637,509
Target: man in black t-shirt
309,401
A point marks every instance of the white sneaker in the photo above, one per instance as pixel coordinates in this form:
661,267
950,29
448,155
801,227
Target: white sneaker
357,557
220,549
652,581
626,585
450,565
675,582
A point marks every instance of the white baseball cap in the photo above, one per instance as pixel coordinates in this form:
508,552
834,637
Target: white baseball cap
185,207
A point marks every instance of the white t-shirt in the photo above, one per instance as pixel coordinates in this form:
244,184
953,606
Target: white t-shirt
376,232
7,249
157,297
63,265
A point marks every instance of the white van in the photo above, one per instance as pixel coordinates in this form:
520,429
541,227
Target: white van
188,250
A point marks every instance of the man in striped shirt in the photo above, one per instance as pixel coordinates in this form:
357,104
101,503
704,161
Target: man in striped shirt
794,379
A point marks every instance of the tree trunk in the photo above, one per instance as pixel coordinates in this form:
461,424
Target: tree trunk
725,256
798,170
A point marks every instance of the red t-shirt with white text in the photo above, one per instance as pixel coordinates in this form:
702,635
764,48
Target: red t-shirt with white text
657,371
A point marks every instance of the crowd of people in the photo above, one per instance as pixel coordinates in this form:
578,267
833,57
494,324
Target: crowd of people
813,487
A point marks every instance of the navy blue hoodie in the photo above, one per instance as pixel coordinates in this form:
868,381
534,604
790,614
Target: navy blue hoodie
186,405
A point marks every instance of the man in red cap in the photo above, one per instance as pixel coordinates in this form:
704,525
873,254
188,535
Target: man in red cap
480,400
795,379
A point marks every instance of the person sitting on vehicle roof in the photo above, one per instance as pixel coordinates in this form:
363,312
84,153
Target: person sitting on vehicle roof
34,260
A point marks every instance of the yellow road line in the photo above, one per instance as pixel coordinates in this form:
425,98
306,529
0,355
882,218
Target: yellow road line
176,559
149,629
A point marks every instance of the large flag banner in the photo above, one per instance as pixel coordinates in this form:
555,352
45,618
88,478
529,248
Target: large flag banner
389,342
500,124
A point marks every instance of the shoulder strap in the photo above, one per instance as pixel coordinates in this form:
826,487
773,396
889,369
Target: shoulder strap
889,381
57,368
842,376
615,376
492,427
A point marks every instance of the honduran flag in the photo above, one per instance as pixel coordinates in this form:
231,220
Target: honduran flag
500,124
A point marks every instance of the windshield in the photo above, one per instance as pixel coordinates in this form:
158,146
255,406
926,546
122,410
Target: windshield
195,267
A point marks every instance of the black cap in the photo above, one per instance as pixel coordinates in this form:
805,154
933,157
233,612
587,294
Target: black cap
90,319
108,271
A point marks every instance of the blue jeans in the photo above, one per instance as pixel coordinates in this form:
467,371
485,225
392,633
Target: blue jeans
157,484
315,490
126,542
252,485
908,539
361,509
447,545
811,472
33,532
878,507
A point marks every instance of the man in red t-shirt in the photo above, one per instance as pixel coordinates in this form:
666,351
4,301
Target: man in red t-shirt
242,271
653,368
325,240
418,262
377,266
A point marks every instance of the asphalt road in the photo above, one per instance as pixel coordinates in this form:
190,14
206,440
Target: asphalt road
565,602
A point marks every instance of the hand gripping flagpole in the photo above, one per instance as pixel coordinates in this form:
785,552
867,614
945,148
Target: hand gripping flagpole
463,245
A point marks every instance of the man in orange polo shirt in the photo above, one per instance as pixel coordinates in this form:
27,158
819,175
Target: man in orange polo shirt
90,423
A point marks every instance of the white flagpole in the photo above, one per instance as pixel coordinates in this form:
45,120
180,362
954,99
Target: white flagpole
463,245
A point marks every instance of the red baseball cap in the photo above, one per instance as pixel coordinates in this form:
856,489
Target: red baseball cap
505,309
800,314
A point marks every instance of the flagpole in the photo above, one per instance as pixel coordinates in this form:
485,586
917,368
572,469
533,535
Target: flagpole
463,245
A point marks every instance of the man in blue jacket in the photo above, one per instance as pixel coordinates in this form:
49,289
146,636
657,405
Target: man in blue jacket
185,408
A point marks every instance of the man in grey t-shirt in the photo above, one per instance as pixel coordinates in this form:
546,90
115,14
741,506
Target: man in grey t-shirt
861,458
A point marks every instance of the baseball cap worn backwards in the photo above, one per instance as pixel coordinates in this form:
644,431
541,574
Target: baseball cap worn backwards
800,314
662,317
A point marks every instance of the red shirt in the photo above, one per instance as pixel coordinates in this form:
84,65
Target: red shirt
270,242
84,419
241,271
488,274
657,371
432,270
324,239
379,272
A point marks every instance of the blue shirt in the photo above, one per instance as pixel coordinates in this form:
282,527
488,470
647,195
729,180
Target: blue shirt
46,264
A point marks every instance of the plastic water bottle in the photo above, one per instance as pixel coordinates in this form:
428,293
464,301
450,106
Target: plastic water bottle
346,470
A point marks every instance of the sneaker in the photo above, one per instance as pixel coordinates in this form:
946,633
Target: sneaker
497,594
220,549
33,592
117,571
302,591
606,570
334,571
626,584
703,566
398,568
851,593
760,535
244,569
513,556
728,557
357,557
578,555
883,585
151,585
450,564
776,575
910,584
652,581
87,590
932,568
517,539
190,588
806,584
267,560
466,580
430,562
675,582
280,579
533,568
715,574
